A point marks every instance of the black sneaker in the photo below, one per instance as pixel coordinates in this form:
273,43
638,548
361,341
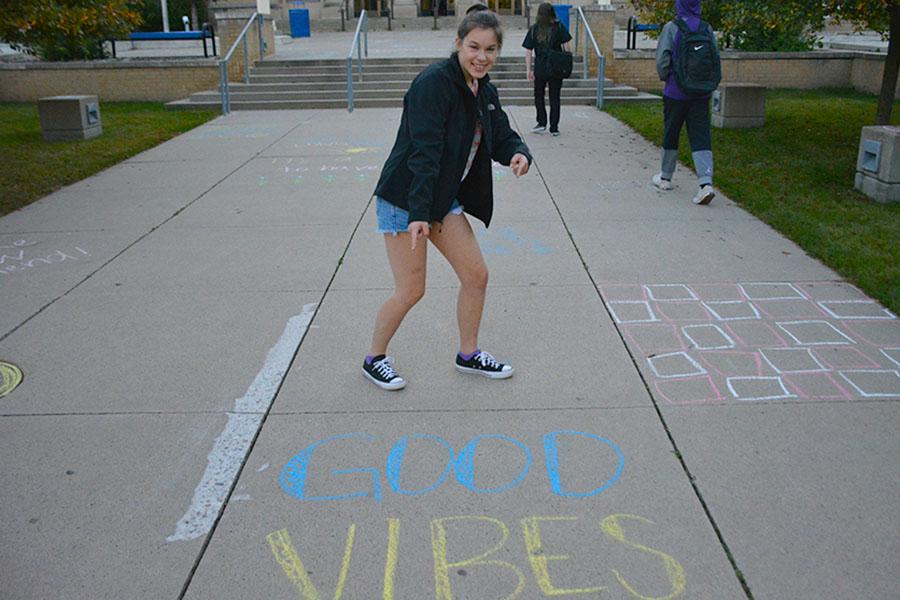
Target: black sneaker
483,363
381,372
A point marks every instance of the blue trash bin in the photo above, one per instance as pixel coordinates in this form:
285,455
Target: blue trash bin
299,18
562,14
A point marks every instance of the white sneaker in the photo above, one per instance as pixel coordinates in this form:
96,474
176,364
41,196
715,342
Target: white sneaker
704,195
539,129
662,184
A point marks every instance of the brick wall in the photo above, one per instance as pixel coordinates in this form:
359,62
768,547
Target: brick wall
159,81
803,70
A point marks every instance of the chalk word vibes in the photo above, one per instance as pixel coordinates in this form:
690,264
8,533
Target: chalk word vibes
10,378
661,576
22,256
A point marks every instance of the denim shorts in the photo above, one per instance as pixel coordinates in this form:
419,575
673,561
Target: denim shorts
393,219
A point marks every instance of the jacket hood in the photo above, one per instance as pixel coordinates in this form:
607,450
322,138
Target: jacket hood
687,8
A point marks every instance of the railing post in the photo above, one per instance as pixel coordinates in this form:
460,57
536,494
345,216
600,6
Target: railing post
262,40
601,80
246,61
223,86
584,63
350,84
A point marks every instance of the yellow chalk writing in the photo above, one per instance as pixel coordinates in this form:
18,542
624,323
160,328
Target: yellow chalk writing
532,532
611,527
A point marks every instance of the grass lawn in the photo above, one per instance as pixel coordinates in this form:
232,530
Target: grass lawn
32,168
796,174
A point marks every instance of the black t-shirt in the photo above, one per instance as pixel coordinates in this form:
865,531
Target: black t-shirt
559,35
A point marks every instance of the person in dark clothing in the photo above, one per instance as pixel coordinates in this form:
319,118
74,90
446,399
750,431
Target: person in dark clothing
451,128
680,108
546,34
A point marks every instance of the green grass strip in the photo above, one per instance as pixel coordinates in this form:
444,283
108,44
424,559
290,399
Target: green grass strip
796,174
31,168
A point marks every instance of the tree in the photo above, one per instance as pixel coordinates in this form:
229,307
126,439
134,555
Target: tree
882,16
761,25
66,29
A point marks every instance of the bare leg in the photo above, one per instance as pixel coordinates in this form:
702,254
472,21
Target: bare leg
408,267
456,241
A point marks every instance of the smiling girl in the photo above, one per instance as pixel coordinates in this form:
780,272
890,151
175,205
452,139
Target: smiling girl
440,169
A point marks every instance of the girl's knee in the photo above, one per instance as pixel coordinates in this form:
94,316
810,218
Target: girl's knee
409,297
476,278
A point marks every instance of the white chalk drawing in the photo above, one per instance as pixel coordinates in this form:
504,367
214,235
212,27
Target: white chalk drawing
681,291
697,367
785,393
755,291
804,353
870,309
824,328
651,318
890,381
729,343
23,256
737,349
747,307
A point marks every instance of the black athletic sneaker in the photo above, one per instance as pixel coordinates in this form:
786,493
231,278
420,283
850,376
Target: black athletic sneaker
483,363
381,372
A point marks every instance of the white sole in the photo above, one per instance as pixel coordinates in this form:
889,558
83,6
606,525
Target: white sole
488,374
705,198
385,386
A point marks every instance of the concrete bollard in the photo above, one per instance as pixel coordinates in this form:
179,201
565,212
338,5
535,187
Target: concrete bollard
69,117
878,163
739,105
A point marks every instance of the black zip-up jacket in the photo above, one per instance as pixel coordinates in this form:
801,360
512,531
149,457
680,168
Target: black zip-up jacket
422,174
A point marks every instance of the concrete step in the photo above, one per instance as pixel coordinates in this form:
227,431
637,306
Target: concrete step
340,85
341,77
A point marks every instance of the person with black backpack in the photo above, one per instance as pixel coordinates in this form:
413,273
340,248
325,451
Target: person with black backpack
687,59
547,39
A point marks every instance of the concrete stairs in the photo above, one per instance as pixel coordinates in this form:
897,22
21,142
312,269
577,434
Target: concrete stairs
281,84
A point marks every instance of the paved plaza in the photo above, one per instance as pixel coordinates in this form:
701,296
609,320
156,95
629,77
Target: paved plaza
700,410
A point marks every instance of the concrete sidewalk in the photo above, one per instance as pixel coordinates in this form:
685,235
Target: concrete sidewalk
694,397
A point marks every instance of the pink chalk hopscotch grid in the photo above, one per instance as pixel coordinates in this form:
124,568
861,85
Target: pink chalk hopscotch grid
691,335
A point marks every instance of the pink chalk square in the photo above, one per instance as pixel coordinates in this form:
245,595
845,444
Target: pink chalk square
816,386
732,310
630,311
666,292
622,291
831,290
876,383
730,363
711,292
696,390
682,311
843,357
878,333
814,333
771,291
792,360
755,334
856,309
758,388
790,309
707,337
653,338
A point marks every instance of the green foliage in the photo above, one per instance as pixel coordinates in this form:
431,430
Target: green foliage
33,168
758,25
151,12
65,29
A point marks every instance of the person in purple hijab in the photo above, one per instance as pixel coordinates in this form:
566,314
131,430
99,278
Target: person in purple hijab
680,108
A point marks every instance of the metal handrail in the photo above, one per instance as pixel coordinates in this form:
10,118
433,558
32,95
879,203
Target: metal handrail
361,27
224,92
601,60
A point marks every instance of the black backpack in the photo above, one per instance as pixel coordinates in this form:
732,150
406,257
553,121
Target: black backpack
698,68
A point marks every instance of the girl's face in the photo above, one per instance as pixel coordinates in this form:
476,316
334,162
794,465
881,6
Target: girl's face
477,52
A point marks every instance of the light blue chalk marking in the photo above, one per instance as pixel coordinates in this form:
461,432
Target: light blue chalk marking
465,467
395,465
293,476
550,449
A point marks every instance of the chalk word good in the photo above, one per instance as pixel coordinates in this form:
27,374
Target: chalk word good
463,466
664,572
